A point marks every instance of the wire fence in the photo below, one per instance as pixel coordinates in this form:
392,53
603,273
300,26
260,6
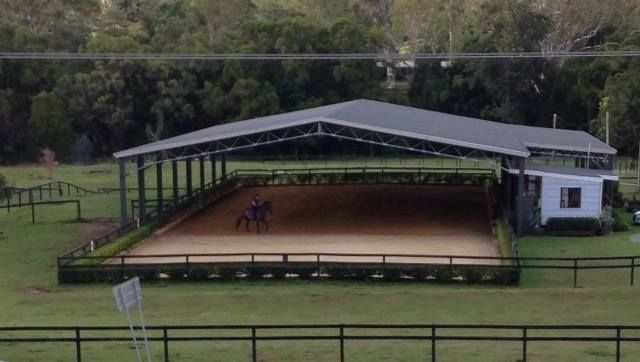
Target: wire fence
340,338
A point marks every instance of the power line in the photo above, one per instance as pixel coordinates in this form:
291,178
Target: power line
311,56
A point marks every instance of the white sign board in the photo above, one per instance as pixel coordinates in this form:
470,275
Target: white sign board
128,294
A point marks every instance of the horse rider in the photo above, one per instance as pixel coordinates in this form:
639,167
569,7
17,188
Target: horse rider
255,204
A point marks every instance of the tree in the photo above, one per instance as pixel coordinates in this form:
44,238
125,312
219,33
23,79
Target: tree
5,190
575,25
49,124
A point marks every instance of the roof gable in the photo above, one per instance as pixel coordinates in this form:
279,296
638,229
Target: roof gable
398,120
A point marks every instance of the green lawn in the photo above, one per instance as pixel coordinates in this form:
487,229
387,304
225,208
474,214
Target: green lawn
29,295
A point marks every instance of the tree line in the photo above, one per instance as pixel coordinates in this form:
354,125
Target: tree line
112,105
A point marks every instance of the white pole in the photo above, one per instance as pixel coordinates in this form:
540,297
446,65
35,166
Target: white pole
144,331
133,333
555,120
588,156
607,126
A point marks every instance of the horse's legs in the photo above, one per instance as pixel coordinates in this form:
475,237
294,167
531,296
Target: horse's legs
266,224
247,223
258,225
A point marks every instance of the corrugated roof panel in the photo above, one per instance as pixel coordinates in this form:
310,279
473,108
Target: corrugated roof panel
401,120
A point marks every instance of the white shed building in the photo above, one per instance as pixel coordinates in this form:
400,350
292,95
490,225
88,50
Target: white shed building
566,192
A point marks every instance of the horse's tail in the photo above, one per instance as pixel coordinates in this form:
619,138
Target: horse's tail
239,221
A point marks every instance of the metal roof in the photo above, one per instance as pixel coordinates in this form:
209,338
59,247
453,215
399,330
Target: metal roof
551,170
401,121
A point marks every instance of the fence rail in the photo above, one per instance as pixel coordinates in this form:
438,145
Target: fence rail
422,267
33,205
342,334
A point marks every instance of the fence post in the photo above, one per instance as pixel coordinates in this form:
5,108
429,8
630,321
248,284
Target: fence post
633,266
33,213
433,343
575,273
617,344
165,342
524,344
254,353
341,343
318,265
450,269
188,266
78,351
78,211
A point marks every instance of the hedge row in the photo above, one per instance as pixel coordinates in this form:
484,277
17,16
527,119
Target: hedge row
443,273
573,225
336,178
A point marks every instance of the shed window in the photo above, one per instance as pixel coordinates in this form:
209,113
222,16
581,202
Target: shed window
570,197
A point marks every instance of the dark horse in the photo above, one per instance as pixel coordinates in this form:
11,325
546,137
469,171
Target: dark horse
260,216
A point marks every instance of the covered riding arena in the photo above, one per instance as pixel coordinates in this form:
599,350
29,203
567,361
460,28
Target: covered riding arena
345,219
369,217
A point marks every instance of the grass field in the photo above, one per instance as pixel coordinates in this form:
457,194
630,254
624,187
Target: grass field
29,295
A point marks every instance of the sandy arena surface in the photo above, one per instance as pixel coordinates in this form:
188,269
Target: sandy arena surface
436,220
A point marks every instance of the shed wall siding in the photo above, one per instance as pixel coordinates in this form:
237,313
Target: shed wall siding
590,203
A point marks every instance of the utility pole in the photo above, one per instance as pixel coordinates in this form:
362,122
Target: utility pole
555,120
607,126
638,168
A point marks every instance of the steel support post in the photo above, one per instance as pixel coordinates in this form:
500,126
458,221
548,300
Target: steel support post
160,187
142,197
123,192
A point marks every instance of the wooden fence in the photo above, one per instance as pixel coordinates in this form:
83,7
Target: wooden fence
430,335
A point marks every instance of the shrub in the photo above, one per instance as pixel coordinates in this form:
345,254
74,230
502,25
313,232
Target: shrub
505,276
305,273
442,274
279,272
419,274
473,275
339,273
256,272
199,274
121,244
392,274
573,224
227,273
619,224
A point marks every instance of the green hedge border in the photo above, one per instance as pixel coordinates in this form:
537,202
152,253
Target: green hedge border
440,273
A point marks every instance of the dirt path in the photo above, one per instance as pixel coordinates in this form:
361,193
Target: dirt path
436,220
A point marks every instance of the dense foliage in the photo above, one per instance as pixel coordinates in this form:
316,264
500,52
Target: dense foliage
117,104
576,225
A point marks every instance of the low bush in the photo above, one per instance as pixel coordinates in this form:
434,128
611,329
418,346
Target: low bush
568,225
119,245
305,273
256,272
199,274
392,274
473,275
279,272
619,223
227,273
442,274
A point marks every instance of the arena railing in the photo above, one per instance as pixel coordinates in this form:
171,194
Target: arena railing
350,266
33,205
248,177
214,188
432,335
